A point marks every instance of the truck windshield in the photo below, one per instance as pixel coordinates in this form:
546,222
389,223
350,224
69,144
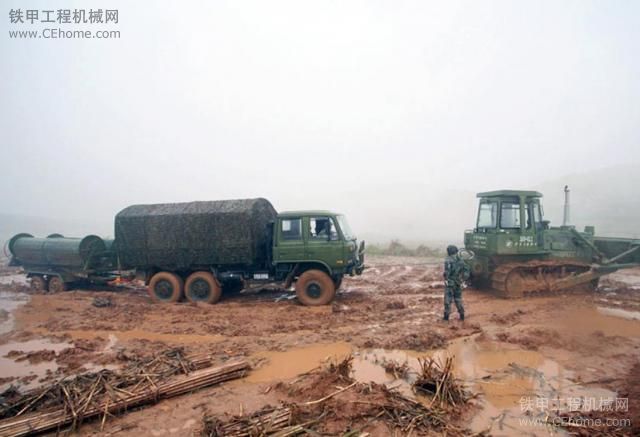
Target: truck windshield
344,226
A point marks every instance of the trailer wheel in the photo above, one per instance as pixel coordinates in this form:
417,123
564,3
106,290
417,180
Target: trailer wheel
57,285
165,287
38,284
315,287
202,287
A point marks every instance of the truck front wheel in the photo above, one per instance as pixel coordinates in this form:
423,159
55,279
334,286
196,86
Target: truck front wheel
165,287
315,287
202,287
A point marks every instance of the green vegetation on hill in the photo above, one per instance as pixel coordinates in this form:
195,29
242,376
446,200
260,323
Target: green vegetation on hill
395,248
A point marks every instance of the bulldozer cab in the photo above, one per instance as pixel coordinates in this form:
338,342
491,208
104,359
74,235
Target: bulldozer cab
508,222
517,252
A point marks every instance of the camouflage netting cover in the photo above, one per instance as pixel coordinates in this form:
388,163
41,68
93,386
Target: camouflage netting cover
184,236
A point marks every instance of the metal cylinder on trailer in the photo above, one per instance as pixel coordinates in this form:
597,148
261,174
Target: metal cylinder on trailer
56,251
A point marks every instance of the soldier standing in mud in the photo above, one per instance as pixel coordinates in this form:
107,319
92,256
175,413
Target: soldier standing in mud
456,272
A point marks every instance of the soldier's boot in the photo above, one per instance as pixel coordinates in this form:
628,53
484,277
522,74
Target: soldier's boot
446,317
462,316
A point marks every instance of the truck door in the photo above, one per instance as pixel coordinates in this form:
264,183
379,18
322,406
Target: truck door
323,240
290,240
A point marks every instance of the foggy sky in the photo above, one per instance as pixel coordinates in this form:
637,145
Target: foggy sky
392,112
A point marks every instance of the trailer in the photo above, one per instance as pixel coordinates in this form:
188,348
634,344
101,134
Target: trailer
56,263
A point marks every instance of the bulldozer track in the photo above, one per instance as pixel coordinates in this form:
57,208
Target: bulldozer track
513,280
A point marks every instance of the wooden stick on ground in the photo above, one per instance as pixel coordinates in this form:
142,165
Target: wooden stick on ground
41,421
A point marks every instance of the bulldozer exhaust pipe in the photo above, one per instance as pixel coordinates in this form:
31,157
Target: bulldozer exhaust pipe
566,218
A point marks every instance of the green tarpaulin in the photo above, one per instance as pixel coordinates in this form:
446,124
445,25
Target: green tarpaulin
185,236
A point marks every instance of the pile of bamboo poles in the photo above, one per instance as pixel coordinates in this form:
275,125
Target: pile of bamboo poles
437,379
137,374
409,416
357,406
375,403
106,393
265,421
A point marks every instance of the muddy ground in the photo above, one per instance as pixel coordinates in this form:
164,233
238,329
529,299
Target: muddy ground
573,352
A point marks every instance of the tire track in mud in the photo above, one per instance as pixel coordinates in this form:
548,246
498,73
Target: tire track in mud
397,278
390,270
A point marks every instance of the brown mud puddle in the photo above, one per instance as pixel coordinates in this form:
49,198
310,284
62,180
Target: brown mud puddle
513,385
27,364
15,362
139,334
9,302
609,321
289,364
618,312
516,385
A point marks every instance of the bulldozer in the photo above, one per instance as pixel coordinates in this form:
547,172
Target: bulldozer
515,252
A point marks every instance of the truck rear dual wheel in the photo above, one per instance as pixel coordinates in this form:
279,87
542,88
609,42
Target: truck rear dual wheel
315,287
202,287
165,287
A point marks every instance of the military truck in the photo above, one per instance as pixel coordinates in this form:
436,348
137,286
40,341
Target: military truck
517,252
55,263
198,249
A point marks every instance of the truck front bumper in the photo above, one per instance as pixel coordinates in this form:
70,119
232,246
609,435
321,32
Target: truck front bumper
358,263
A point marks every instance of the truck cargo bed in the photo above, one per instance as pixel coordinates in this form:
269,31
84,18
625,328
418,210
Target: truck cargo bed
186,236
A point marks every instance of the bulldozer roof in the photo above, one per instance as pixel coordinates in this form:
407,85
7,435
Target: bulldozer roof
510,193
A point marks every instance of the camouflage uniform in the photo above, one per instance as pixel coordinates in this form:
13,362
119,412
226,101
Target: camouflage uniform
456,272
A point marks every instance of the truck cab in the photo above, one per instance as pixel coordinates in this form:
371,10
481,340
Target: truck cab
320,241
317,237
